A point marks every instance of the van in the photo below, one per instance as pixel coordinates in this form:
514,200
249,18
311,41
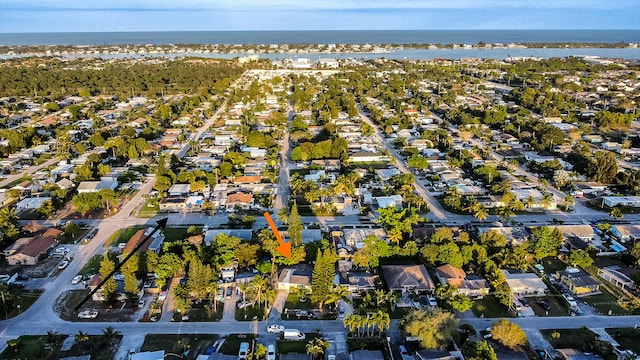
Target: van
244,349
293,334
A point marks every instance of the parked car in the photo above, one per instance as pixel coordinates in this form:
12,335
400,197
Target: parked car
76,280
275,328
244,349
341,312
545,305
229,292
271,352
118,276
63,265
88,314
524,302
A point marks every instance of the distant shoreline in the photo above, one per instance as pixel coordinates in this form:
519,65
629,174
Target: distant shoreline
282,49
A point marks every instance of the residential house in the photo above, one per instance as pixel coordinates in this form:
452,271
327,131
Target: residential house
439,354
173,204
239,199
625,233
16,246
95,186
368,157
630,201
153,244
469,285
31,203
616,276
408,278
579,282
387,201
328,164
179,190
524,284
93,284
30,253
244,234
297,277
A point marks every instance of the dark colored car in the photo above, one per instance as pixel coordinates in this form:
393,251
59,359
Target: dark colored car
524,302
545,305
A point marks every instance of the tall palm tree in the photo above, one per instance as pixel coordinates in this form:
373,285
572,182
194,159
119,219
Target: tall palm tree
546,200
505,213
283,215
316,347
616,213
569,201
384,321
370,322
380,296
109,334
337,294
392,298
480,212
53,338
349,322
529,201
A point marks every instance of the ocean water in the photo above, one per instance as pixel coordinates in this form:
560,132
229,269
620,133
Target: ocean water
322,37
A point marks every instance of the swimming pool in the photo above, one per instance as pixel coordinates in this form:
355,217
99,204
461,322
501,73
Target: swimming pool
617,248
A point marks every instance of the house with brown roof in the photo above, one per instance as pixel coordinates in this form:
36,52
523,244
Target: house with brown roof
469,285
153,244
30,253
247,180
295,277
408,278
239,199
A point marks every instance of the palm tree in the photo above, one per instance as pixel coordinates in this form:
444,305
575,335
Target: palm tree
316,347
616,213
370,322
384,321
392,298
480,212
81,336
529,201
546,200
505,213
380,296
53,338
338,294
568,201
349,321
109,334
283,215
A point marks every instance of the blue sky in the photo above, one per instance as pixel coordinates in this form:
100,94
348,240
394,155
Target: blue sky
199,15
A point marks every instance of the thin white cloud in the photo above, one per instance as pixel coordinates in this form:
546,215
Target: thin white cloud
280,5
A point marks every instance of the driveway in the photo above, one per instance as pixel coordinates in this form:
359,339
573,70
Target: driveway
275,315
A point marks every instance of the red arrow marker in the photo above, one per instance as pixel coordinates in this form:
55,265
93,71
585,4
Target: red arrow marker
283,248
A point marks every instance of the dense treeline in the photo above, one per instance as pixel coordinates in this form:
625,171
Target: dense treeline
56,79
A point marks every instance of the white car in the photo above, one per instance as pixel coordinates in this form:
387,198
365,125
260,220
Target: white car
275,329
88,314
76,280
271,352
63,265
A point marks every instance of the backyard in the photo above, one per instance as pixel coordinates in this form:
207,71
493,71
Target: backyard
178,344
627,338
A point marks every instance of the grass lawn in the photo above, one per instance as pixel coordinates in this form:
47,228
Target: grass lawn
17,181
32,347
178,343
73,239
122,235
489,307
605,302
557,302
231,344
173,234
92,266
552,265
150,209
202,312
293,303
287,346
248,313
569,338
627,338
26,298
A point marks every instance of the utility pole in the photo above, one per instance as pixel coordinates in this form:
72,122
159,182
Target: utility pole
161,225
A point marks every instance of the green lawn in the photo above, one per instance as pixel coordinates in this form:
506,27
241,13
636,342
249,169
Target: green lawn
26,298
150,209
178,343
489,307
122,235
552,265
173,234
287,346
569,338
293,302
605,302
32,347
231,344
627,338
202,312
92,266
557,302
249,312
